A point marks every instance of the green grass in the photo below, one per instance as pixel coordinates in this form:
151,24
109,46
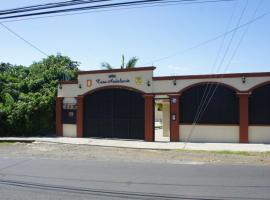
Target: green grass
242,153
3,143
10,142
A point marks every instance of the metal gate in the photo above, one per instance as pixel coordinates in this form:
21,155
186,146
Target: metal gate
114,113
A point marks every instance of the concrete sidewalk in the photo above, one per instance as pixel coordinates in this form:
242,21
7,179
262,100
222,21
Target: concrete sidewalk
137,144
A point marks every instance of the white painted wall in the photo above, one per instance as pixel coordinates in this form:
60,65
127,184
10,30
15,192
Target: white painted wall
68,90
158,115
166,119
69,100
210,133
69,130
259,134
167,85
158,86
131,75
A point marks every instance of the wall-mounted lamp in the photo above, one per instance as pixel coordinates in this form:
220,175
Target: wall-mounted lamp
174,81
243,79
80,85
148,83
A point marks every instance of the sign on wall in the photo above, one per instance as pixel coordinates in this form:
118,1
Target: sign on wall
112,79
89,83
138,80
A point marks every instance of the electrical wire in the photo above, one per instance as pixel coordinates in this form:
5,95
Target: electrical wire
48,6
110,5
23,39
232,56
204,106
108,10
206,89
222,60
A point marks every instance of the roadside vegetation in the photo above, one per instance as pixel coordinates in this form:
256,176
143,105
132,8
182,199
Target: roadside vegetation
27,95
242,153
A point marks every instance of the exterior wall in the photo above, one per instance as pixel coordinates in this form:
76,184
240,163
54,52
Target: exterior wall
69,100
166,119
164,87
68,90
158,115
210,133
69,130
131,76
160,86
259,134
156,85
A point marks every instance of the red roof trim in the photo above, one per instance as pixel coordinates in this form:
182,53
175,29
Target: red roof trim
68,82
235,75
117,70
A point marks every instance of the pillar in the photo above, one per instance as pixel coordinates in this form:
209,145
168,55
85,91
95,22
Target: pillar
243,117
79,116
58,116
149,131
174,118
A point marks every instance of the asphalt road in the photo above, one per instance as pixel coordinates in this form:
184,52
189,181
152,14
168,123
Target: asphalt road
35,179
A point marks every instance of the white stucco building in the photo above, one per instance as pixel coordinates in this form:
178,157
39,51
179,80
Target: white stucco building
119,103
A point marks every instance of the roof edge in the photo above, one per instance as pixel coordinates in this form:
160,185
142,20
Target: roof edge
117,70
205,76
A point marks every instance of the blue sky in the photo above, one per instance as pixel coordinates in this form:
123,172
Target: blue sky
149,34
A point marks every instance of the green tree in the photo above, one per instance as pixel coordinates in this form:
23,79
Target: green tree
27,95
130,64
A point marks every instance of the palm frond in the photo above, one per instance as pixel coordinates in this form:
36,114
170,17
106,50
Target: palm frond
106,65
132,62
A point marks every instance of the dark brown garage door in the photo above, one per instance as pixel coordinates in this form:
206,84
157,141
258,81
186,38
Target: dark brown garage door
114,113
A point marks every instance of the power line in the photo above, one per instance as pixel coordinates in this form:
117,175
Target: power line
211,39
41,51
234,53
223,58
231,58
110,5
116,9
205,92
48,6
20,37
202,109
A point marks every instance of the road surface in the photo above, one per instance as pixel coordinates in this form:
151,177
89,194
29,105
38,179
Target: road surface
48,178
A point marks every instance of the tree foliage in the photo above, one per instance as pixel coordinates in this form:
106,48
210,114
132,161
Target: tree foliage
27,95
130,64
106,65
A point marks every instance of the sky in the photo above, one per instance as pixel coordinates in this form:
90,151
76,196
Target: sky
158,36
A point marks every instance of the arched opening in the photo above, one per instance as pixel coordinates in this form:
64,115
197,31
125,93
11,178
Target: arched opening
114,113
221,104
259,106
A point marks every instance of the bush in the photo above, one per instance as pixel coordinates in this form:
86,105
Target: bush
27,95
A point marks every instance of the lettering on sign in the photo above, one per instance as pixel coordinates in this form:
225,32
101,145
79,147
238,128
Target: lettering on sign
112,79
